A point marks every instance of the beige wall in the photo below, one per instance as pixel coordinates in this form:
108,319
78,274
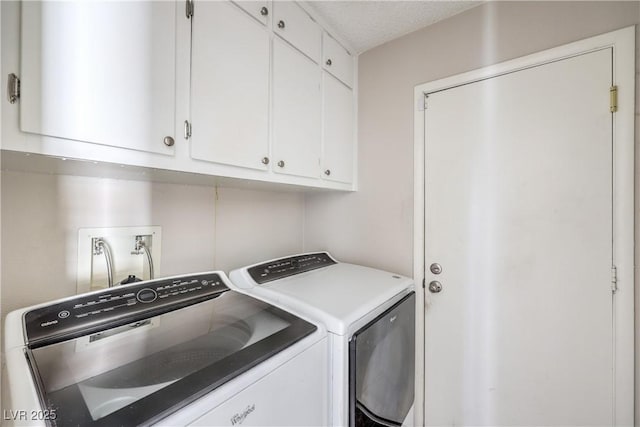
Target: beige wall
374,226
202,229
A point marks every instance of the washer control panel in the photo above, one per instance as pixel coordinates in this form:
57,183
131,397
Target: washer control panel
85,313
285,267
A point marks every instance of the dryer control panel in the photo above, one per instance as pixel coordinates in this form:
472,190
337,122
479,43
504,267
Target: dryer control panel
285,267
118,305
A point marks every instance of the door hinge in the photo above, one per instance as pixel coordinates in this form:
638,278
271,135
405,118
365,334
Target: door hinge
422,103
614,279
13,88
187,129
189,9
613,99
424,282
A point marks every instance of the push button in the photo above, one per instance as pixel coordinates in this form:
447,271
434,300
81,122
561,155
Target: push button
146,295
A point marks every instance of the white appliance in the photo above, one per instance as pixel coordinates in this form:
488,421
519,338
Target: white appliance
185,350
370,317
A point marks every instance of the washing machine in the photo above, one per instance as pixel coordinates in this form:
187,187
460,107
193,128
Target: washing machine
370,318
185,350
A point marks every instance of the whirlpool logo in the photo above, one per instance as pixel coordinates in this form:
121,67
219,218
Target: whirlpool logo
239,418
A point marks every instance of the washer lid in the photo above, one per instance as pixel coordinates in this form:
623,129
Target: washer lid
137,372
338,294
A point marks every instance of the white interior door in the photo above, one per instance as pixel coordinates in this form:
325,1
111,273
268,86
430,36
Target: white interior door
518,193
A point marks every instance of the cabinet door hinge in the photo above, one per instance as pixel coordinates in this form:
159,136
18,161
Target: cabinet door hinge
614,279
189,9
13,88
187,129
613,99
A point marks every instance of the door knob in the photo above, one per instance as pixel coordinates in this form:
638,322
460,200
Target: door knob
435,287
435,268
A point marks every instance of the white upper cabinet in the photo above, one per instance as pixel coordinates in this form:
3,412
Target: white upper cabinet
337,131
336,59
295,26
249,90
229,86
296,112
100,72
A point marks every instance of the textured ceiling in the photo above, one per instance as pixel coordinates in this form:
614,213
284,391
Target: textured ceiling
364,24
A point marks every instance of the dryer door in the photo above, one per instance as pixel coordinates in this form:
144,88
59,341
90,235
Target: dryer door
382,367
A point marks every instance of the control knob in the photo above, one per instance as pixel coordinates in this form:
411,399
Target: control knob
146,295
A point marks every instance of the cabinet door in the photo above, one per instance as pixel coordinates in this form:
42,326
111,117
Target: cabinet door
293,24
100,72
260,10
296,112
338,127
229,86
336,60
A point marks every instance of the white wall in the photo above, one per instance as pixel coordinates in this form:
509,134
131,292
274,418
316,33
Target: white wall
253,226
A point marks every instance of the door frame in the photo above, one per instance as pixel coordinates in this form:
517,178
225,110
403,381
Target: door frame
623,44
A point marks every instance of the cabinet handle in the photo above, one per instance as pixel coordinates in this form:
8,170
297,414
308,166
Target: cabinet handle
327,172
264,11
281,163
329,62
281,24
265,160
168,141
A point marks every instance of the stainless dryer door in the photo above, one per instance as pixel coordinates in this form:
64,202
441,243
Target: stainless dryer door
382,367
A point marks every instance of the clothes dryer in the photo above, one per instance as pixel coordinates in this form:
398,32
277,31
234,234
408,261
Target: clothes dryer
370,317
